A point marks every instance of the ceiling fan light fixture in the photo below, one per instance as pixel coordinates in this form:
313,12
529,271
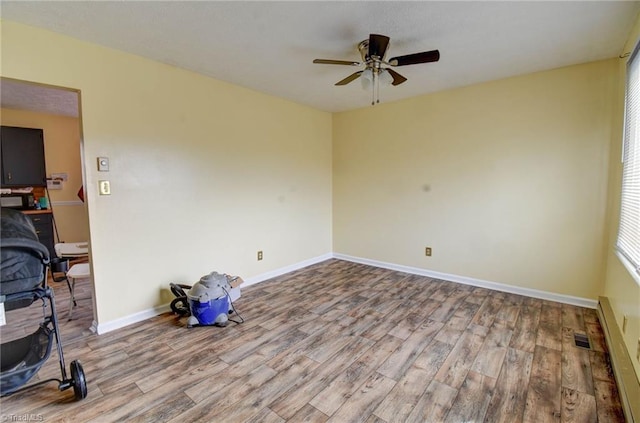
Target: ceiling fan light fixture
385,77
367,79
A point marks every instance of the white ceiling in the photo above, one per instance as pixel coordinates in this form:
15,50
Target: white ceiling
269,46
38,98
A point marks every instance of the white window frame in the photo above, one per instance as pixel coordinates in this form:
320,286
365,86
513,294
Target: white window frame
628,242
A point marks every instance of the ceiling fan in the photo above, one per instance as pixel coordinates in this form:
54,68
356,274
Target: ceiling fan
373,53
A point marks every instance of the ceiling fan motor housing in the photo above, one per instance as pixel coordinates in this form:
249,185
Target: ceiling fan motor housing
363,47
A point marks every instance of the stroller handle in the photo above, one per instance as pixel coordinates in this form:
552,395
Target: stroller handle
27,244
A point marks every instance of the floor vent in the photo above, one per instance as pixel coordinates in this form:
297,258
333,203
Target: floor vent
581,340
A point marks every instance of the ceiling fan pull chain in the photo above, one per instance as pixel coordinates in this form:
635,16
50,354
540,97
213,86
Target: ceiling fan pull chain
373,90
374,84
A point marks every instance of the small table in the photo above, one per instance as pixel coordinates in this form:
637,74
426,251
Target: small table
77,271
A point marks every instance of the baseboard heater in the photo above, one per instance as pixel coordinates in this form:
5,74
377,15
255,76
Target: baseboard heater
628,384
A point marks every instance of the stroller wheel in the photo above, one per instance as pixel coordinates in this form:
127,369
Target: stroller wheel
79,381
180,306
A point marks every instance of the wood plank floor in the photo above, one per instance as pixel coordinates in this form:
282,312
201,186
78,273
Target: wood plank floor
341,342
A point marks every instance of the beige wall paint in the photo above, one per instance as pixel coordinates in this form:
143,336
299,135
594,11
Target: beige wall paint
506,180
620,287
62,155
203,173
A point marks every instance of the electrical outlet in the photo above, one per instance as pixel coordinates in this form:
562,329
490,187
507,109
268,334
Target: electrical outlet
427,251
625,319
259,255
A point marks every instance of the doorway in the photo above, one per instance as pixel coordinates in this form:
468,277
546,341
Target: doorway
57,111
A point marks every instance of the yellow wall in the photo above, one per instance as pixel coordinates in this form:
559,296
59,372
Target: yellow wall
62,155
506,181
620,287
203,173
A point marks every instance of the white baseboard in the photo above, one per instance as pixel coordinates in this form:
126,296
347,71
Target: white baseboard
281,271
102,328
551,296
67,203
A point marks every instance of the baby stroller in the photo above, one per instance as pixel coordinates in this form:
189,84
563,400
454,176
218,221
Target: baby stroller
23,281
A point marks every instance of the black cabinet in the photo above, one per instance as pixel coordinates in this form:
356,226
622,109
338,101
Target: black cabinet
43,222
22,157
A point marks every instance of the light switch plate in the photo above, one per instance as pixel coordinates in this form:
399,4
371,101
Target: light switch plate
103,164
105,187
